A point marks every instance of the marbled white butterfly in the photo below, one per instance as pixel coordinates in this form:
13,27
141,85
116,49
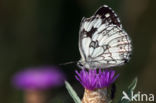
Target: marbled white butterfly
103,43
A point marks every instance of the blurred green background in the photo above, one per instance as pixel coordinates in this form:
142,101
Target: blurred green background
45,32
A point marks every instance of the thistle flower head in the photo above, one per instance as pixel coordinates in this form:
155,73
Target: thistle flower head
92,79
38,78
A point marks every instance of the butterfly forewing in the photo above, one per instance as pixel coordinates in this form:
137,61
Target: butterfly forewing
102,41
108,14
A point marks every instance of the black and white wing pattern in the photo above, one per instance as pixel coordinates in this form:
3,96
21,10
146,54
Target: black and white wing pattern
103,43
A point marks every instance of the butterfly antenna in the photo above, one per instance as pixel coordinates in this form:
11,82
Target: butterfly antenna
67,63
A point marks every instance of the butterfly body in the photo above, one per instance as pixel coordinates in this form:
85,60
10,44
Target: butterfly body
103,43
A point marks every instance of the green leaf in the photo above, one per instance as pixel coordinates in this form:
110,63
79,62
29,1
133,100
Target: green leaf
72,93
110,101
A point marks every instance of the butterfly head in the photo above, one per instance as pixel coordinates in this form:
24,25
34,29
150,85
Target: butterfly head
82,64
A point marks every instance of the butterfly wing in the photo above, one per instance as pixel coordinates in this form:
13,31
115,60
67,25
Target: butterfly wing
102,40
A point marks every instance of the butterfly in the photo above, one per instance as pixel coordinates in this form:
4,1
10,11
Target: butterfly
103,43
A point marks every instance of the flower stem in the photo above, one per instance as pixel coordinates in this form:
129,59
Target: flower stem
34,96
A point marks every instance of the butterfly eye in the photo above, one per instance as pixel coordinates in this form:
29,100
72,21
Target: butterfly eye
79,64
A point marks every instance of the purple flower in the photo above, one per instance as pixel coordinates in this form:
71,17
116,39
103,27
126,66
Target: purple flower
92,79
38,78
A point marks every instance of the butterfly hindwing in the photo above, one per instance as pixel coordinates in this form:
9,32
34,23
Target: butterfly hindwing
102,41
